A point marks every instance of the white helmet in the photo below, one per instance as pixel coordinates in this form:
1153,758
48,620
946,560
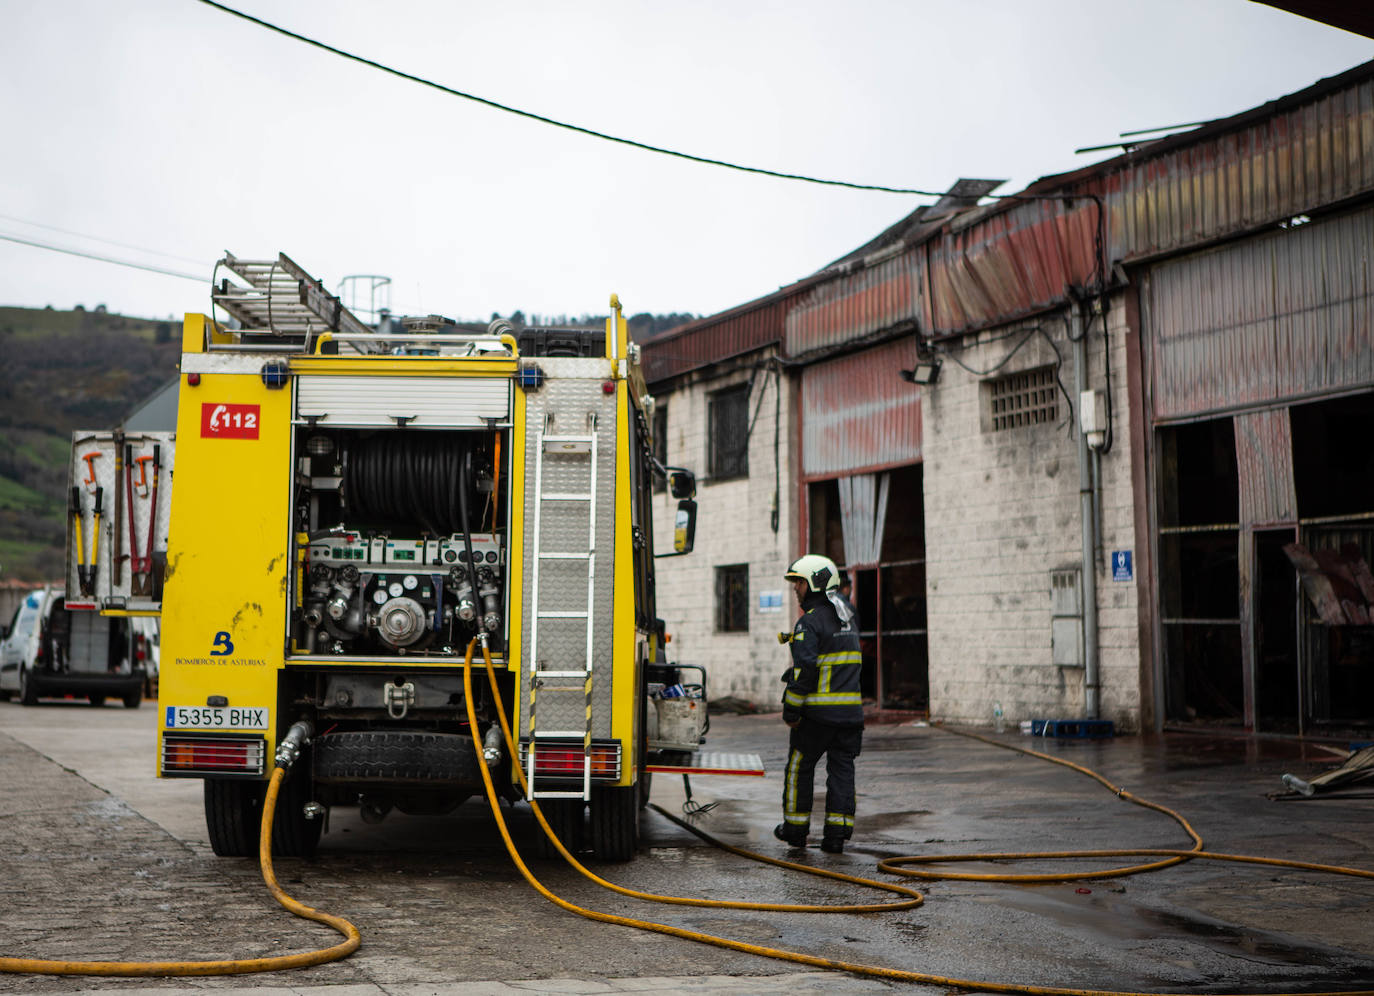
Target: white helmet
819,573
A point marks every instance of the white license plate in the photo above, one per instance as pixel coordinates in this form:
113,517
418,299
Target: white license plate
217,717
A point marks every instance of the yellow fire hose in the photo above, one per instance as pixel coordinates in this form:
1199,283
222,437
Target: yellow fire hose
871,971
244,966
896,866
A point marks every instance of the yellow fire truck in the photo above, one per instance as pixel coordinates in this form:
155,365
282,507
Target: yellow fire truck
352,507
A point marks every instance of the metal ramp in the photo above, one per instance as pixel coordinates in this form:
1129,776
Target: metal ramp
281,298
710,763
561,680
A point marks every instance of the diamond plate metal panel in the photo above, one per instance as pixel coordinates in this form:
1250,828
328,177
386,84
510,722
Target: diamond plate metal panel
563,524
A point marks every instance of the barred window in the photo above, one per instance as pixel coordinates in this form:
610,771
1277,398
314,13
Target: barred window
729,433
1022,399
732,598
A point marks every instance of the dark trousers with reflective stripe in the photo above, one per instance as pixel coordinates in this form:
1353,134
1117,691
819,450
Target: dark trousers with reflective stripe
839,745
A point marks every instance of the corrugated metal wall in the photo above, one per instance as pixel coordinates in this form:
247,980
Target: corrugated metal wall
1264,464
1271,319
858,414
732,333
1302,154
854,305
1269,165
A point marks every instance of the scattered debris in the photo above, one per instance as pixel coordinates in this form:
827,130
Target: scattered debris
1359,766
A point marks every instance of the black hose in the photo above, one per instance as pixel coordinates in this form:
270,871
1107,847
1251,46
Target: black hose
410,477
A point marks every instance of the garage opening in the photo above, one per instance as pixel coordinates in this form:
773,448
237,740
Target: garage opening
1199,573
889,594
1334,471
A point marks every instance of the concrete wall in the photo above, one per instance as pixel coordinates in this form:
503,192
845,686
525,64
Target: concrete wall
1002,511
733,527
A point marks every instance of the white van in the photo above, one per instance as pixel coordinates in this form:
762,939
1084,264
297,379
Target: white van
48,650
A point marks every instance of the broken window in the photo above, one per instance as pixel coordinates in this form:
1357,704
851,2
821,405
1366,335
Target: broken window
732,598
729,433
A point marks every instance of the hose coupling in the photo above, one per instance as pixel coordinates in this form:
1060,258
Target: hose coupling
493,746
297,739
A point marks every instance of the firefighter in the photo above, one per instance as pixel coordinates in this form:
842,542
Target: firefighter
822,705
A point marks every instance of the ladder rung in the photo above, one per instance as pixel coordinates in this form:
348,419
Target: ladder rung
569,439
562,674
564,734
556,795
564,496
566,556
570,614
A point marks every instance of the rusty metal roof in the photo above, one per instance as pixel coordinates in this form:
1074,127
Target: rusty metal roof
1025,253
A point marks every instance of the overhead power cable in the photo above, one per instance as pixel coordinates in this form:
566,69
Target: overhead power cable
103,259
563,124
97,238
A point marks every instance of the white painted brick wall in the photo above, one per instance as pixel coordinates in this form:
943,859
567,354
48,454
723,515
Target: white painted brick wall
1002,511
733,527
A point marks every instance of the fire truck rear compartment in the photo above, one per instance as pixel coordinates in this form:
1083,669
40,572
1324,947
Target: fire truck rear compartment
400,540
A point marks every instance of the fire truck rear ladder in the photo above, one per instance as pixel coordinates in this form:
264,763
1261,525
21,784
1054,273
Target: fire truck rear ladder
554,679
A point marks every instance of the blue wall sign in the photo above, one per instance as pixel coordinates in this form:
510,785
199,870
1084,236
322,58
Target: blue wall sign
1121,566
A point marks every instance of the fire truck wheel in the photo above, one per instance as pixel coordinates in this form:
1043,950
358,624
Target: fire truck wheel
646,782
132,700
233,812
294,836
565,817
615,822
97,700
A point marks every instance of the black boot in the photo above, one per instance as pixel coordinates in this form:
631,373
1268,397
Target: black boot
789,836
832,845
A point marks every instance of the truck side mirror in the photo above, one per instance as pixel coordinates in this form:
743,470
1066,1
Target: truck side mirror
682,483
685,526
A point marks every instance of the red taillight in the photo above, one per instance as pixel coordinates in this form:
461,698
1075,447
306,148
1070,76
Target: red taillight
213,755
566,760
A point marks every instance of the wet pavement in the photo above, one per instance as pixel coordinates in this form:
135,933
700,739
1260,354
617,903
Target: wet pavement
101,861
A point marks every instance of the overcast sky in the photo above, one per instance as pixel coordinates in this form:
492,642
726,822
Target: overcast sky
170,126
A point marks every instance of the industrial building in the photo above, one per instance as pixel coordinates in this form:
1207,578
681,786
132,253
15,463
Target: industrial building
1094,449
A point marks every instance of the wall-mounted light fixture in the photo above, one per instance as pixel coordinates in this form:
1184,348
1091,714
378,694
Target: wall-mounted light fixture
926,371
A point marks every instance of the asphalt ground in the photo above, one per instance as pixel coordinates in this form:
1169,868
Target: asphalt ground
101,861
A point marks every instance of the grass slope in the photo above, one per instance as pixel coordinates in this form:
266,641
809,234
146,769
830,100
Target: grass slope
63,370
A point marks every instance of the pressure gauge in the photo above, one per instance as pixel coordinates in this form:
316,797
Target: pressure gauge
410,581
379,596
396,589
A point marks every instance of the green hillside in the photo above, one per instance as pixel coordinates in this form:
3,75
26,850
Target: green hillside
63,370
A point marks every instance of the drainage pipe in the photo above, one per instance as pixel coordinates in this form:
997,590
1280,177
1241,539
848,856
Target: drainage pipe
1078,335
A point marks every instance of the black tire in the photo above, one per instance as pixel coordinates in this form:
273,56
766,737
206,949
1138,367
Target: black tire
615,822
565,816
293,836
132,700
28,695
646,782
5,694
233,815
97,701
396,756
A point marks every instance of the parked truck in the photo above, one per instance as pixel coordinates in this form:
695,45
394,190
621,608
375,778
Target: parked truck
359,513
48,650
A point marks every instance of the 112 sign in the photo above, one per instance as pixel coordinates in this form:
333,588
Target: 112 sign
225,421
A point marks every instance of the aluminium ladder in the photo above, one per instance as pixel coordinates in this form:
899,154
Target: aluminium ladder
562,679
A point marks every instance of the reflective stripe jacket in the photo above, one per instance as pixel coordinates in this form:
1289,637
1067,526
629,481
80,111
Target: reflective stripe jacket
823,681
